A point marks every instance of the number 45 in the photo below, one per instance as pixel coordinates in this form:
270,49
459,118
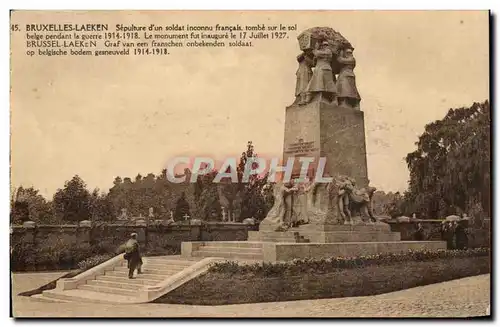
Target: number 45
14,28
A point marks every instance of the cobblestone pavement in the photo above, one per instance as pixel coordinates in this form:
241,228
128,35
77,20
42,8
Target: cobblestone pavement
458,298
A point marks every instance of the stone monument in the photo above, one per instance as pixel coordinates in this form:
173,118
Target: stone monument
311,218
325,120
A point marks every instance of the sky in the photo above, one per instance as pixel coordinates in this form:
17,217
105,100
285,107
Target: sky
101,117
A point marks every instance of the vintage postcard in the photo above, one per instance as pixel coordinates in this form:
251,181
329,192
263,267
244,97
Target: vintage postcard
250,164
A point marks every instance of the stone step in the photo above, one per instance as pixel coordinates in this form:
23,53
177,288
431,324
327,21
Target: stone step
236,244
80,295
165,266
227,254
281,234
159,261
215,248
124,285
283,239
141,276
43,298
166,272
147,270
105,289
125,279
272,236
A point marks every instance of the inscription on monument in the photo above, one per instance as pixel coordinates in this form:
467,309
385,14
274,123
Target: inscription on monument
301,147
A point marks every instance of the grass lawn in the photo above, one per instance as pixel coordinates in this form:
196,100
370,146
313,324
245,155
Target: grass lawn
218,288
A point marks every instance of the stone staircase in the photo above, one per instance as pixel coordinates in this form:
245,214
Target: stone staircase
313,241
279,237
230,250
112,285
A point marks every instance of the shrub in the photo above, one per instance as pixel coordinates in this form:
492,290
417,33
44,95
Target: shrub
51,254
159,245
23,255
93,261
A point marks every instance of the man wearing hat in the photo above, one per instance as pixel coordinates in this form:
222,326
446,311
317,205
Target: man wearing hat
133,255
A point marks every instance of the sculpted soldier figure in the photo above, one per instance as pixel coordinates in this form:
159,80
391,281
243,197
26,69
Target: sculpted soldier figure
281,215
323,79
332,55
304,74
347,92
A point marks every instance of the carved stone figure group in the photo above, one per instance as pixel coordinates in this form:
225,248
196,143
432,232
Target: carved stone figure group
297,204
315,75
352,202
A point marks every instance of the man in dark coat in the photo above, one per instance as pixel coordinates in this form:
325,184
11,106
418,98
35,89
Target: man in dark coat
461,237
133,255
448,234
419,233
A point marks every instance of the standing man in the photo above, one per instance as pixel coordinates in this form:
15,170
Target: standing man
133,256
447,234
419,233
461,239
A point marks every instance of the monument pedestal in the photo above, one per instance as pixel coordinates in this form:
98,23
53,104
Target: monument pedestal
321,129
310,242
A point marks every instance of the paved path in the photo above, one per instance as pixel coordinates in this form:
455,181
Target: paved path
458,298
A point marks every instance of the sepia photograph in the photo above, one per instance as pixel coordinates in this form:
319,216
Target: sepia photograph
250,164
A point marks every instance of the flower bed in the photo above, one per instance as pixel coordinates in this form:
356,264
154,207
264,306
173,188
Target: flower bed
230,283
326,265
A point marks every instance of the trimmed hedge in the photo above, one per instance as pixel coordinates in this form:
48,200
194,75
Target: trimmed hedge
65,255
298,266
60,256
229,283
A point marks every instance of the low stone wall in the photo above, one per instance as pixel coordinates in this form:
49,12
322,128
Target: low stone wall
151,237
432,228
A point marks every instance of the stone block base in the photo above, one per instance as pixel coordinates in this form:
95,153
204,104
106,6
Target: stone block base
323,237
379,227
275,252
280,237
347,236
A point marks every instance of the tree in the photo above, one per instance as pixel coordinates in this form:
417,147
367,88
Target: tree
230,191
117,197
383,203
181,208
207,197
101,207
394,207
72,203
27,204
253,203
450,169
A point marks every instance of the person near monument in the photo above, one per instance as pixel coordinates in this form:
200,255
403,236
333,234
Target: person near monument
461,237
419,234
448,234
133,256
323,79
347,92
304,74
